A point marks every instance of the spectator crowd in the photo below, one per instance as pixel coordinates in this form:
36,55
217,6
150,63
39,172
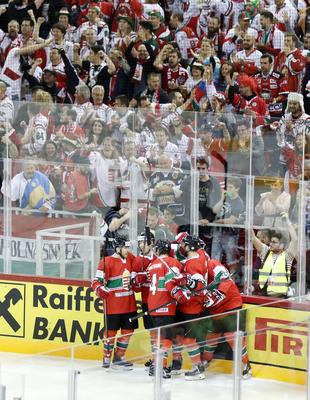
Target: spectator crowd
103,101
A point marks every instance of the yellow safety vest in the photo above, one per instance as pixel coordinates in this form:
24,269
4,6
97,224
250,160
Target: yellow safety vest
275,275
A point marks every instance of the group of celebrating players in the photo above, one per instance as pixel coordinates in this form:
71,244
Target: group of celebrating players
179,285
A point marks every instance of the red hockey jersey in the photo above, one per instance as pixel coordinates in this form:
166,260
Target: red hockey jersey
160,274
197,268
110,273
140,264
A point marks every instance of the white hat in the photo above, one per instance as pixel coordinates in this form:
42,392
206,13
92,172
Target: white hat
297,97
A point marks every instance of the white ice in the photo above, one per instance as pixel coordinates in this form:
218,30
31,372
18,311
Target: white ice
46,378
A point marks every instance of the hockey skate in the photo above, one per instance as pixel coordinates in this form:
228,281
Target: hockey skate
121,364
246,371
106,362
176,367
166,372
147,365
197,373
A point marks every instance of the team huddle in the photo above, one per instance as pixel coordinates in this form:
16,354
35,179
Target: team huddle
177,285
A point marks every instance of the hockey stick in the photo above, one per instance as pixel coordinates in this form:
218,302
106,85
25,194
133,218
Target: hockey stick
147,231
105,317
208,287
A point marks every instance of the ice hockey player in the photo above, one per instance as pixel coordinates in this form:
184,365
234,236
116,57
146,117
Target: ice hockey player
112,285
146,242
162,290
224,297
179,253
195,267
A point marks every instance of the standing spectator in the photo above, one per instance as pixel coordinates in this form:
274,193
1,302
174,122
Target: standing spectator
140,57
164,146
6,40
293,122
6,105
184,36
165,183
247,100
270,38
248,59
11,72
58,34
124,32
77,191
160,29
101,28
293,62
173,75
105,168
274,276
272,204
273,86
133,168
100,69
209,198
225,240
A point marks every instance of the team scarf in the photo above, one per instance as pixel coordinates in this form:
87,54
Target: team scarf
93,73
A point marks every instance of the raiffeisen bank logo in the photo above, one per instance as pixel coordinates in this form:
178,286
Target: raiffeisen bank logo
12,309
281,336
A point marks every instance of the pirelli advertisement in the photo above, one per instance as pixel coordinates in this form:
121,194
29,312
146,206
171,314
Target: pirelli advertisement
37,317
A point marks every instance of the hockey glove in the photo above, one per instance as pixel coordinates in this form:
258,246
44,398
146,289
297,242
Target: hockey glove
103,292
180,295
140,278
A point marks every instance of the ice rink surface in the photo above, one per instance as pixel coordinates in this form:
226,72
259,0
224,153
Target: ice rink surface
46,378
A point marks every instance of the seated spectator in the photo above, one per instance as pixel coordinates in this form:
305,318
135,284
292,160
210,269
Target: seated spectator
276,261
272,204
31,189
